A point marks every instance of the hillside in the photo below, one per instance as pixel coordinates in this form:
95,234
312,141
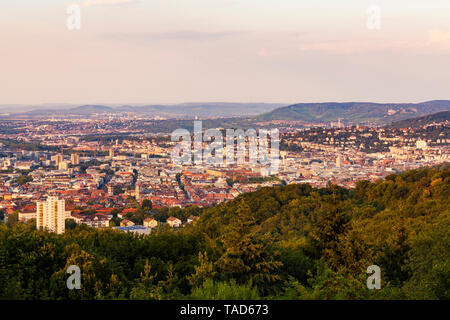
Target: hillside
421,121
356,112
348,112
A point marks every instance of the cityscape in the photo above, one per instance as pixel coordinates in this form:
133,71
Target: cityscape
103,175
224,159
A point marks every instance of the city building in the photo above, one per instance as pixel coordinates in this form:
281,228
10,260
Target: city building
174,222
135,229
126,223
57,158
339,161
421,144
150,223
51,215
62,165
75,159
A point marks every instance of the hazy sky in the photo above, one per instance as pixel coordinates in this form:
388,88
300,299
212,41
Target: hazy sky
168,51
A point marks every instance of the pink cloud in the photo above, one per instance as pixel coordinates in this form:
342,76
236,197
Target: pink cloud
437,41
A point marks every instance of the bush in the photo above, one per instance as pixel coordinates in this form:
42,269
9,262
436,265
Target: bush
211,290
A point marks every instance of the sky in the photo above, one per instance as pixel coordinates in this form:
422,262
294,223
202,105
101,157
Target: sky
276,51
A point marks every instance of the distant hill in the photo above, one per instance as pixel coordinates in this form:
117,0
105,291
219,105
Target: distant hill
184,110
81,110
202,110
348,112
16,108
90,109
421,121
358,112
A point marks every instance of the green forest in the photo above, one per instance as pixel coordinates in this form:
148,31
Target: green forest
286,242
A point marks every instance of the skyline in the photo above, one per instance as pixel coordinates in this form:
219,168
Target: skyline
224,157
168,52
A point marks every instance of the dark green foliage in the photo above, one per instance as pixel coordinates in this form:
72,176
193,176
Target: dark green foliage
247,255
23,179
146,205
421,121
353,111
211,290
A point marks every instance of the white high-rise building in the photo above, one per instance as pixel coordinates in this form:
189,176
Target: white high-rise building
75,159
51,215
57,158
339,161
